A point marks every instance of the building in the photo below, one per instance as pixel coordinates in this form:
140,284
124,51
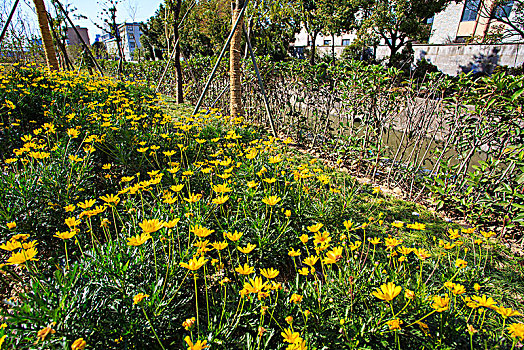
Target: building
73,39
130,40
324,43
472,19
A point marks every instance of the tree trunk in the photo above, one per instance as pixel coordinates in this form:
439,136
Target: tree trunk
178,67
234,65
313,48
47,39
333,48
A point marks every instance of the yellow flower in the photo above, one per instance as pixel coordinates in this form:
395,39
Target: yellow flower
322,238
506,312
139,297
461,263
333,256
484,301
387,292
245,270
44,332
189,323
516,330
296,299
290,336
150,226
394,324
355,246
422,253
72,222
219,245
271,200
110,199
293,252
311,260
221,188
304,271
171,223
177,188
374,241
233,236
458,289
487,234
199,345
75,159
194,263
315,228
220,200
304,238
409,294
88,203
138,240
275,159
200,231
440,304
255,286
79,344
269,273
376,189
416,226
397,224
22,257
270,181
348,224
193,198
11,245
66,234
287,213
11,225
252,184
22,236
247,249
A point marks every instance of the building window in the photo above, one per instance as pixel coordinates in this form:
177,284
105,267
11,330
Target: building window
327,42
430,20
471,10
132,45
346,42
503,10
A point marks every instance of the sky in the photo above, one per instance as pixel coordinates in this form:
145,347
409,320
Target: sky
127,11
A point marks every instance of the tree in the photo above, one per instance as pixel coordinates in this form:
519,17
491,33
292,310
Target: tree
398,22
235,83
310,15
504,19
173,20
271,26
110,26
47,39
338,16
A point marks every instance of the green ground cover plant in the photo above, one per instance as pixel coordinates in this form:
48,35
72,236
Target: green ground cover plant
127,225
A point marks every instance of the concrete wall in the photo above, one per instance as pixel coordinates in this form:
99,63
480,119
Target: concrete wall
455,59
446,24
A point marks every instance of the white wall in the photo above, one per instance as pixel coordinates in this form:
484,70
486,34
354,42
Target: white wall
454,59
